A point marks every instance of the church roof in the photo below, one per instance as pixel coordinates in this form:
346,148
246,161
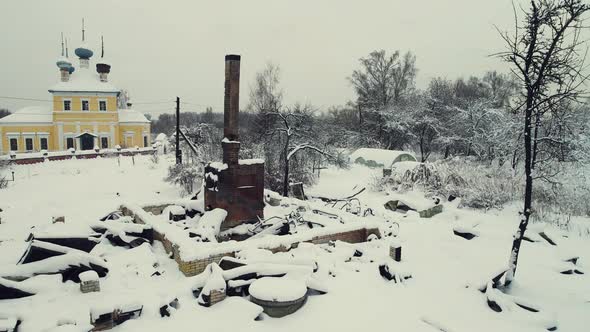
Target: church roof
131,116
31,114
84,80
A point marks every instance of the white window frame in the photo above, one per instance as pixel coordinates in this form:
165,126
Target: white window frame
72,136
13,136
100,141
10,143
32,138
46,141
106,105
82,105
41,136
63,104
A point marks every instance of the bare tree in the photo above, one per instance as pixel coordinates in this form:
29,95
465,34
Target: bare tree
382,83
374,81
3,180
294,125
266,96
403,77
547,58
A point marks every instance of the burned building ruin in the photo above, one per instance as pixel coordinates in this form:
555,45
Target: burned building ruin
236,186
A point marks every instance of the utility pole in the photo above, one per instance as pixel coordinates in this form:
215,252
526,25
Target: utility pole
178,152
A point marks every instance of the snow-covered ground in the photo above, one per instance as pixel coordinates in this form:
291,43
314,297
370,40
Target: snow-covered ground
436,298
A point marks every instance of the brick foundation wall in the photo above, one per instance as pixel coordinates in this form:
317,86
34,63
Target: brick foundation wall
354,236
90,286
194,267
217,296
395,252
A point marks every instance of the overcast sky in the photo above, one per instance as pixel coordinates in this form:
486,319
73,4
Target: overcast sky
163,49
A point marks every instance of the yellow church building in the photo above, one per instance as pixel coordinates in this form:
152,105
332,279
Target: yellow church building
84,113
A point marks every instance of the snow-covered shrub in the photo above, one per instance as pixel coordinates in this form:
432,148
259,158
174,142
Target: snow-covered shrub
155,159
409,175
3,179
484,185
425,175
479,185
567,196
183,175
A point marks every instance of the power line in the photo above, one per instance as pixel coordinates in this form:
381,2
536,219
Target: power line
190,103
152,102
27,99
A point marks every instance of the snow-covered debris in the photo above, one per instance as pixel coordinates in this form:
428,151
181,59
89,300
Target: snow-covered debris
465,231
13,290
317,285
209,225
254,255
433,254
8,324
63,230
279,296
88,276
394,271
175,213
278,289
12,251
89,282
40,250
413,200
106,316
272,198
174,209
71,327
69,265
140,261
214,289
259,270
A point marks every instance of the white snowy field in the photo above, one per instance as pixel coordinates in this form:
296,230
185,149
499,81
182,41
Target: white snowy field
436,298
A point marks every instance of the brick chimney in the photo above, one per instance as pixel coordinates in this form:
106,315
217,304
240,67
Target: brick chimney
237,188
231,110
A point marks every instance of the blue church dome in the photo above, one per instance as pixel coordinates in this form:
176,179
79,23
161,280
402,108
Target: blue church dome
63,63
83,52
71,69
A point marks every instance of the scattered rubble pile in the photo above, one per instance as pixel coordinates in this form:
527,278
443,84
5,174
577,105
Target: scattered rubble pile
295,245
277,264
